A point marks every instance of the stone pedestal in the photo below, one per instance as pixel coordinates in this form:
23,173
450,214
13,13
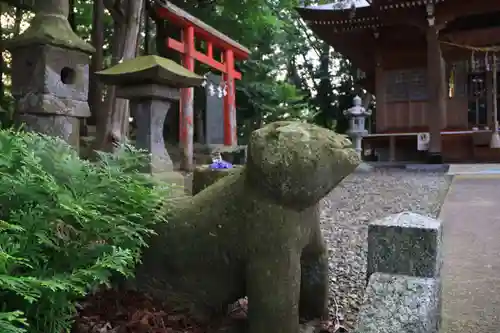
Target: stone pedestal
403,294
150,117
204,176
400,304
149,104
406,244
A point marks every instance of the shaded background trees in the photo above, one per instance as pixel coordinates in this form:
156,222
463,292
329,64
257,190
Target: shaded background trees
290,75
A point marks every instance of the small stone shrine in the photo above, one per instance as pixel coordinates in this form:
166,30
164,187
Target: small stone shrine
151,83
50,74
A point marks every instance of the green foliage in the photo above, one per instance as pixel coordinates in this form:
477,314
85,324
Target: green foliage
262,100
290,74
66,227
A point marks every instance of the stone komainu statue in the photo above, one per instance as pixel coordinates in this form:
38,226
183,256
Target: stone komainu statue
255,232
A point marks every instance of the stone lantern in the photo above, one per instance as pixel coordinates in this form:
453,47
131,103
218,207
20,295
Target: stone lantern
50,65
357,115
151,83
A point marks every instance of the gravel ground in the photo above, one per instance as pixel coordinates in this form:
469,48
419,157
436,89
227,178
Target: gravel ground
346,213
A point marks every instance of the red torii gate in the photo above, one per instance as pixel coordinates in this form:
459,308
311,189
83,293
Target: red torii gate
193,29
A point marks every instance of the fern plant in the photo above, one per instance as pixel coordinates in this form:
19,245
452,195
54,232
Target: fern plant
66,226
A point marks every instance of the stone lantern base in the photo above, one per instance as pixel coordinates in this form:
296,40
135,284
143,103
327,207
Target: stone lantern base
149,105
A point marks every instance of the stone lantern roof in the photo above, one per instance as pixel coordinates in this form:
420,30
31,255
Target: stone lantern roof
50,26
150,69
357,109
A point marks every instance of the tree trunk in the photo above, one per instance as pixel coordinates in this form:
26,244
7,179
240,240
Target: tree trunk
124,46
293,75
140,40
163,31
325,89
17,22
3,68
95,88
71,16
104,126
147,29
132,26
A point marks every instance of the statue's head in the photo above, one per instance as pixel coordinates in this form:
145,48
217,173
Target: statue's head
297,164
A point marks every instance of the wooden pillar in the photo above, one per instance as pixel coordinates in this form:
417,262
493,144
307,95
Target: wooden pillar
392,148
489,100
230,130
186,104
443,100
494,97
380,98
436,104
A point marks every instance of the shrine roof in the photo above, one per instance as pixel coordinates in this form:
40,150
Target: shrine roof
179,16
341,16
361,14
340,5
396,29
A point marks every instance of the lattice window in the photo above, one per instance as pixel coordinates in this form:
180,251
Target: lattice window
404,85
418,85
396,86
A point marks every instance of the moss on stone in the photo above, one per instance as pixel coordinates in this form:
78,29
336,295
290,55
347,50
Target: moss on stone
204,176
151,68
52,30
240,238
298,163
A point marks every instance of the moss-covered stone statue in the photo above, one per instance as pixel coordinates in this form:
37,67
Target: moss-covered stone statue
255,232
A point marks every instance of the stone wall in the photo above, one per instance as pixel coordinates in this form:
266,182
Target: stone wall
403,294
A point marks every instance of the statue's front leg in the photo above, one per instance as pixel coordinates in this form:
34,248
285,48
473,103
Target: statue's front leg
314,278
273,288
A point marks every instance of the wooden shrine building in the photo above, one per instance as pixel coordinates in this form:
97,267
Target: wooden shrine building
430,65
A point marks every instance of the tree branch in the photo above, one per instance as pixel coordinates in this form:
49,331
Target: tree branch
116,10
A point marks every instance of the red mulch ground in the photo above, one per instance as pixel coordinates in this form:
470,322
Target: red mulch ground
113,311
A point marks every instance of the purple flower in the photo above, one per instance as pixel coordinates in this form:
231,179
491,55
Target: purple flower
221,164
